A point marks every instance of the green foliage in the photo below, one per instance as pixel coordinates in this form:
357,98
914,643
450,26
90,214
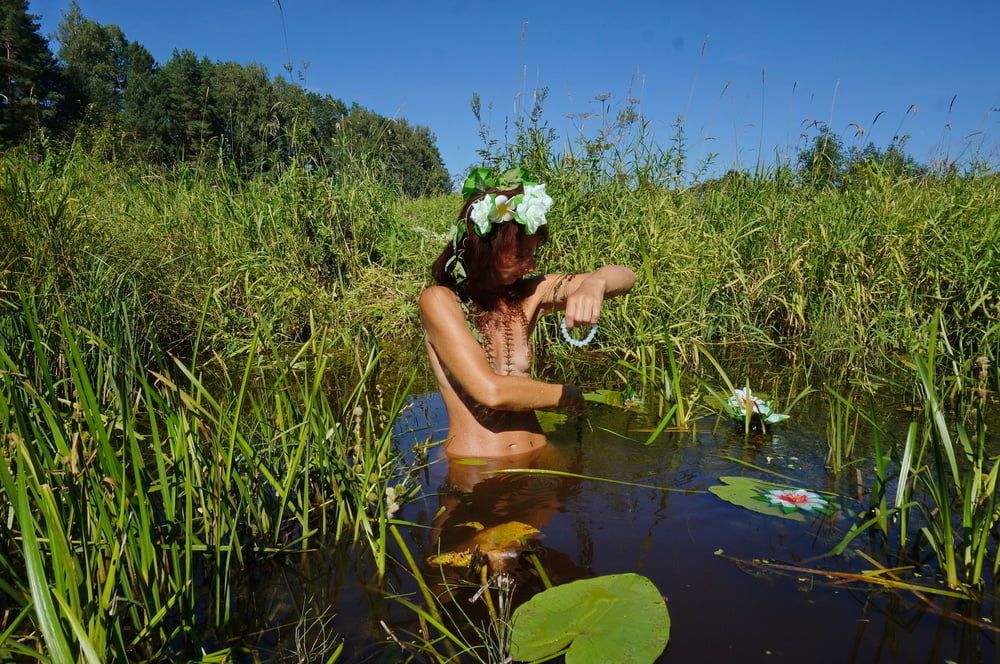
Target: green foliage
191,109
30,85
99,65
821,165
614,618
129,496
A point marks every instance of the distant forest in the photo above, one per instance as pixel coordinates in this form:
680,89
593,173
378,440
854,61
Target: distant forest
100,83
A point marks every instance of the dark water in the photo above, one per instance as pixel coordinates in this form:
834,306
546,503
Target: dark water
721,610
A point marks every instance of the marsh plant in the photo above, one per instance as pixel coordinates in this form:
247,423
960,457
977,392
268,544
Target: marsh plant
130,498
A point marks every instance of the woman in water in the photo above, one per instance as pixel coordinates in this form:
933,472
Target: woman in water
479,315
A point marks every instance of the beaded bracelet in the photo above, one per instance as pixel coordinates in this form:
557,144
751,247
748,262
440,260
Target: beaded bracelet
579,343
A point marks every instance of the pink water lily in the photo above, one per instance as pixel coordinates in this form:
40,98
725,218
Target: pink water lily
787,499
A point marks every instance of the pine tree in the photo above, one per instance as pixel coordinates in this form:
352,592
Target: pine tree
30,94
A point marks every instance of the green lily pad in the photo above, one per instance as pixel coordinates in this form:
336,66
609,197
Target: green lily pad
617,618
751,494
549,420
607,397
499,544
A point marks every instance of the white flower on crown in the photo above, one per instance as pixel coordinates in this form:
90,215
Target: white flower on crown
534,204
480,214
503,209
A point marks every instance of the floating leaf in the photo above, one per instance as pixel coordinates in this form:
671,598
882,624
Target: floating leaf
760,496
471,524
451,559
617,618
607,397
549,420
504,536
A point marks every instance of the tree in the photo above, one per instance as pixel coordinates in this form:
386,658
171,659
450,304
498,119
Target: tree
893,162
147,114
242,101
97,60
822,164
30,82
409,152
188,87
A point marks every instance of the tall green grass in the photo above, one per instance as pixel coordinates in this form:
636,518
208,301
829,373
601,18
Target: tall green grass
841,275
130,497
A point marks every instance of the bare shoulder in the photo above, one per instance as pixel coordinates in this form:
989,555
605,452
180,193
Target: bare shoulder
436,296
436,301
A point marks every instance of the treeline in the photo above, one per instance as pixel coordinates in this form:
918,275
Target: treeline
188,107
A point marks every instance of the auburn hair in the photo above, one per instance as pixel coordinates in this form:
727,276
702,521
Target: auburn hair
481,255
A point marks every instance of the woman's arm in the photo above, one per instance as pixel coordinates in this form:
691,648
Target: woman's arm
446,330
581,295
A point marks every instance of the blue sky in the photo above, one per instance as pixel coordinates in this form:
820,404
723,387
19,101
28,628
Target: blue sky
748,77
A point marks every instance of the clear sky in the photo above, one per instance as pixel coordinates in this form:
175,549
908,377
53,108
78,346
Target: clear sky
748,77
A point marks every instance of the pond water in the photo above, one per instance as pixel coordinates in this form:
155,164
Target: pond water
687,543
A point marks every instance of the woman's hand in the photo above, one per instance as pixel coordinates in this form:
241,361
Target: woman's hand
584,304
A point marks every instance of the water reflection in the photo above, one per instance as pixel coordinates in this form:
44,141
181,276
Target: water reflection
482,512
720,611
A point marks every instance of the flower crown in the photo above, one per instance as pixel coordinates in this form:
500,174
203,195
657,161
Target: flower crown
527,209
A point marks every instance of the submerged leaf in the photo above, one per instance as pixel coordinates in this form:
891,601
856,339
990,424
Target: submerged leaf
617,618
471,461
498,544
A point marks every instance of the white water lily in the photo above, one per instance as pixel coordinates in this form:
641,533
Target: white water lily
741,399
480,214
807,501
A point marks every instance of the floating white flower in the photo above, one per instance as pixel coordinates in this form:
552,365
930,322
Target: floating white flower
793,499
742,400
481,210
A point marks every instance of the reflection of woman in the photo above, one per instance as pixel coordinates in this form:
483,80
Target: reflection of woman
480,313
475,501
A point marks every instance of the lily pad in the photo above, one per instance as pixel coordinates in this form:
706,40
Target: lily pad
512,533
607,397
451,559
772,499
549,420
499,544
617,618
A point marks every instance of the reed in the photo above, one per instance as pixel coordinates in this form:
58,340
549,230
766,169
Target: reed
129,498
839,276
841,430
